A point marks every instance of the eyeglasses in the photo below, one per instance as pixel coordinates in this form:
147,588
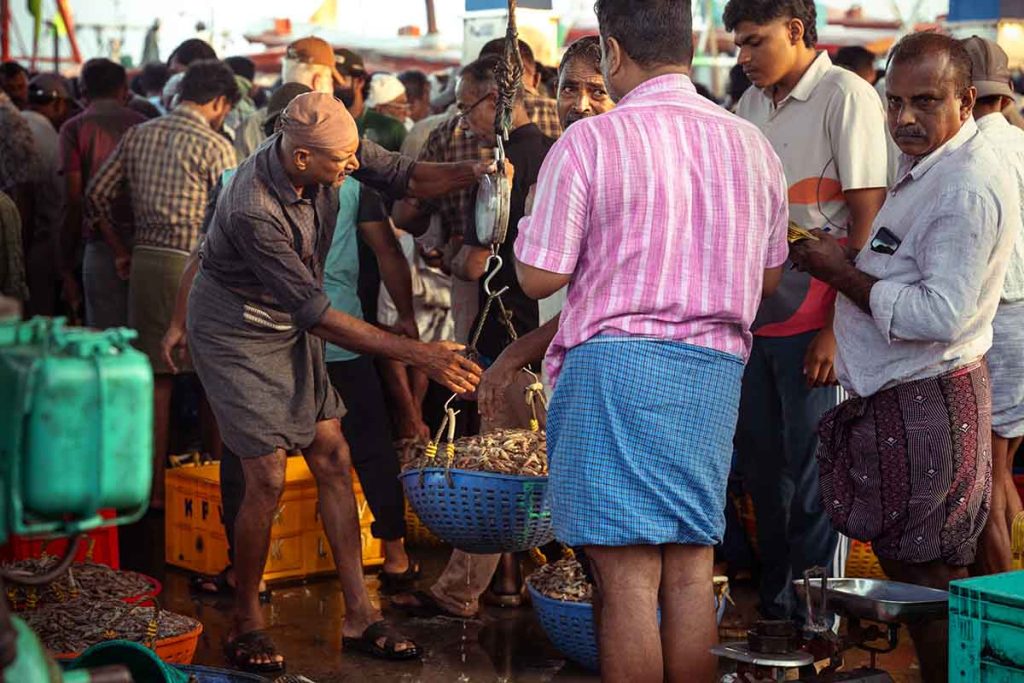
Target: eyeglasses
463,113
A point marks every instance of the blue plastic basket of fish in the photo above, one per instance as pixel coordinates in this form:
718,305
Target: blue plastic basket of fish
481,512
569,623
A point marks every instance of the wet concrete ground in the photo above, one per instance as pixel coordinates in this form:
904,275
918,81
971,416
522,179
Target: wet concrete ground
502,645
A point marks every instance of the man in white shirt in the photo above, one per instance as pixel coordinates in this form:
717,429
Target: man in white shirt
1006,358
906,463
828,127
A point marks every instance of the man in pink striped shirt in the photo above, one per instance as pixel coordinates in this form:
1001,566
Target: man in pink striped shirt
667,219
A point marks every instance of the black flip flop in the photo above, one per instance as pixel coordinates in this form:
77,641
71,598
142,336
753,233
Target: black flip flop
428,607
367,643
241,652
222,588
398,583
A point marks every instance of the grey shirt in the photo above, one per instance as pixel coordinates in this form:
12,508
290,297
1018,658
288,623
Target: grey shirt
268,244
936,295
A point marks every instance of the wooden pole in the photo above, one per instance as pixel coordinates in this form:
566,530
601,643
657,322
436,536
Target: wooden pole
5,30
431,18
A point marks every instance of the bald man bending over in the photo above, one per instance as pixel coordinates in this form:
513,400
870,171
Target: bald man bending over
257,319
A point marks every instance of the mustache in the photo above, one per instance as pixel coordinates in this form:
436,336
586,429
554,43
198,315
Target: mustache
910,132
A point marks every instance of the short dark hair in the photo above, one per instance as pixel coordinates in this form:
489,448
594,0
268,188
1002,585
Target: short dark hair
11,70
102,78
652,32
482,70
192,50
154,77
738,83
417,86
587,48
916,46
855,58
207,80
242,66
763,12
496,48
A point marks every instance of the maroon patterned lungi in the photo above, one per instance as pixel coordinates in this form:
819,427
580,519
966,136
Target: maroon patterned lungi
910,468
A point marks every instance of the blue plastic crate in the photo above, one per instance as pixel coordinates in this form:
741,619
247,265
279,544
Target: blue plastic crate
570,626
481,512
986,629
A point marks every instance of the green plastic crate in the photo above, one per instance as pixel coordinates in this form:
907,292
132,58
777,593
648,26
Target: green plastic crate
986,629
76,427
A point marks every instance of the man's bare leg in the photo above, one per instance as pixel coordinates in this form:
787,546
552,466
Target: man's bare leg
995,554
331,464
931,639
628,579
688,630
163,387
264,482
1013,502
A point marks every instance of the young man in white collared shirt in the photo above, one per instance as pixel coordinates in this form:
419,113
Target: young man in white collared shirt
828,127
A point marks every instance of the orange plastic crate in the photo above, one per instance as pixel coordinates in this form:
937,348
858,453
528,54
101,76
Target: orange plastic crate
862,563
100,546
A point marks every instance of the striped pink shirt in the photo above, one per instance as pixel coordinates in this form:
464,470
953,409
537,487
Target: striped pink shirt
666,211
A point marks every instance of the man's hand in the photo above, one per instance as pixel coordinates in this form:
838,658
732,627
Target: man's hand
123,264
819,369
175,342
443,363
406,327
824,258
490,395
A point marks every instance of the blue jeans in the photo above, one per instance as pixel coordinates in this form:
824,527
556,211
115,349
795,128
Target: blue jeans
776,440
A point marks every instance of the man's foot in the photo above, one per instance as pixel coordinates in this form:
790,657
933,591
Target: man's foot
397,582
383,641
423,605
254,652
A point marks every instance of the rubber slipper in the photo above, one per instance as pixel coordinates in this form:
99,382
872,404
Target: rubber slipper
367,643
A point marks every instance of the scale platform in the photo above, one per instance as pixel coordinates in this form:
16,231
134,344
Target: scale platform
890,602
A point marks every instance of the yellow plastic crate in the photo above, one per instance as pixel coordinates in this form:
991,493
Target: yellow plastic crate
862,563
194,528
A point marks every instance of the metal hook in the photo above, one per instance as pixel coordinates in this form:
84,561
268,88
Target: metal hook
493,258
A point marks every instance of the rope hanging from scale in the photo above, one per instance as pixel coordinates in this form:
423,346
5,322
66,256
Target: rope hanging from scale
509,76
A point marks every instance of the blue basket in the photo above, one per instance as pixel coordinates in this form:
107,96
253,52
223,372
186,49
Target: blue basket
481,512
570,626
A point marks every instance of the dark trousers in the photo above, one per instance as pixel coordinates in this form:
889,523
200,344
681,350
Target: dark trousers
776,439
367,429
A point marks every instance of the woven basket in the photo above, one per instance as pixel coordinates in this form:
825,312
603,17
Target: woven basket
570,626
481,512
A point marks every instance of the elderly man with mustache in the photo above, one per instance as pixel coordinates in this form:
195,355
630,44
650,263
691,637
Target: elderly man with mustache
906,463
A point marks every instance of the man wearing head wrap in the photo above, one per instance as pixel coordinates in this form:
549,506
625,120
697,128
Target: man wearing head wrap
257,320
387,108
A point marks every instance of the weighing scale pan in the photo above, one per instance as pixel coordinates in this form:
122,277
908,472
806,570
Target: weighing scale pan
885,601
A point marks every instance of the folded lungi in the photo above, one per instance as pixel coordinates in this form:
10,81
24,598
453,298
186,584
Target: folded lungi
910,468
640,442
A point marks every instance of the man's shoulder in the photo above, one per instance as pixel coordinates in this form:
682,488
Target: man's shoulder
842,86
969,171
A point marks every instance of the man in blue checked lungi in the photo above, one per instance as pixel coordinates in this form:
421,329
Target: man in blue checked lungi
666,217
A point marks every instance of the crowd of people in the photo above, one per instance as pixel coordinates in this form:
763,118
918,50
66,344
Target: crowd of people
312,253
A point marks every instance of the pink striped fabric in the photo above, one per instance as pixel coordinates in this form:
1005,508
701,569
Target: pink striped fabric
666,211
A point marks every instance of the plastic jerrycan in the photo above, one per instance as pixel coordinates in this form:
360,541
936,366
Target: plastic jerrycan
76,427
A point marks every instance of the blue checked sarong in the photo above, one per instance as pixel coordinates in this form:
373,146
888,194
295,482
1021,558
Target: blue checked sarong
640,442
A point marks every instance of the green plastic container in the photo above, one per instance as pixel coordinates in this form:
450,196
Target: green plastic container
986,629
76,427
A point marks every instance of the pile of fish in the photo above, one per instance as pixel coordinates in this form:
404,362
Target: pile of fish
87,581
502,451
563,580
74,626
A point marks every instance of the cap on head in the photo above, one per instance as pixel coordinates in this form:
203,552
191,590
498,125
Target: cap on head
317,120
384,88
349,63
46,88
313,50
991,67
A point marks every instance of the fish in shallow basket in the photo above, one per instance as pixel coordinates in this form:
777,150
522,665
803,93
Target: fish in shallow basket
501,451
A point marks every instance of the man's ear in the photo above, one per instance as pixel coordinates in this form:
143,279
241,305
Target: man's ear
300,157
967,100
796,31
612,55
